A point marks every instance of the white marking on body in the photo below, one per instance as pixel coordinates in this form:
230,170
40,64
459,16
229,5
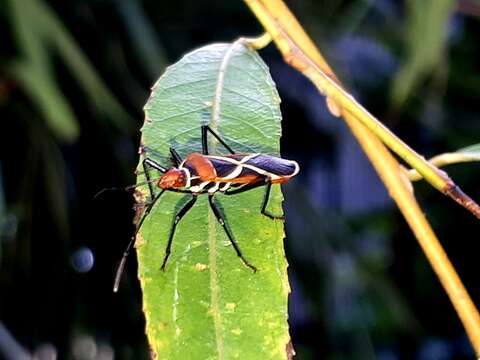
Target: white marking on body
234,173
248,157
199,187
297,168
257,169
214,188
232,160
242,164
225,187
188,176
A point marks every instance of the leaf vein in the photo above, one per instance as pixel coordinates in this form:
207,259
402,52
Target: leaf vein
181,114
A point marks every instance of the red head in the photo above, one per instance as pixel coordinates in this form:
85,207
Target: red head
173,178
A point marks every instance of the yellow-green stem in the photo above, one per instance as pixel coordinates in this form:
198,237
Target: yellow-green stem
300,52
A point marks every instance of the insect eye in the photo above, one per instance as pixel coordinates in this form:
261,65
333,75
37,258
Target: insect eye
181,179
172,178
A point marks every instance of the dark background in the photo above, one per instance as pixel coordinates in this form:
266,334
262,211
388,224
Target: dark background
362,289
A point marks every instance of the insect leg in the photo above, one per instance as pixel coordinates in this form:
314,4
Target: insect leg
121,265
177,219
265,202
221,220
175,157
147,176
155,164
206,128
150,163
266,182
204,140
244,188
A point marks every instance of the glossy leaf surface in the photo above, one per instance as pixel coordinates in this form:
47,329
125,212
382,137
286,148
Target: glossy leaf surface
207,304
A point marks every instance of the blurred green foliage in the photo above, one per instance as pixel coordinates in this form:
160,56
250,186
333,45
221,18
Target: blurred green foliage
426,32
37,31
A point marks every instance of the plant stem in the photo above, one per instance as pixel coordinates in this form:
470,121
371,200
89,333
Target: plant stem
300,52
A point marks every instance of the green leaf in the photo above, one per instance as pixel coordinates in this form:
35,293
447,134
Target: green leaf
426,28
472,150
468,154
143,37
353,15
207,304
38,82
37,29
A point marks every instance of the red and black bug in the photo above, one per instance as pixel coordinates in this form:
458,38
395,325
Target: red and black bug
203,173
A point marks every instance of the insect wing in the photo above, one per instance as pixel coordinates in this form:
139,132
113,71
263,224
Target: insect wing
224,166
273,165
250,168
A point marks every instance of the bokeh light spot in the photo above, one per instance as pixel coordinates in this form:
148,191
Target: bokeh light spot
82,260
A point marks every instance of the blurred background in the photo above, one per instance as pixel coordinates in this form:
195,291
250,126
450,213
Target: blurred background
74,76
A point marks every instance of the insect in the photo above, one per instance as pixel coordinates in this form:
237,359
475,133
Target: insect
205,174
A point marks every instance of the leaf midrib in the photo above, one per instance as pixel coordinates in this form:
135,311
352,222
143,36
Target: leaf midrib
212,221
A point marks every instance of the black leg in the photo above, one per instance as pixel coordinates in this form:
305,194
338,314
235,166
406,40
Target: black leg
147,162
206,128
156,165
266,182
221,220
204,140
175,157
245,188
265,202
147,176
180,191
121,265
177,219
